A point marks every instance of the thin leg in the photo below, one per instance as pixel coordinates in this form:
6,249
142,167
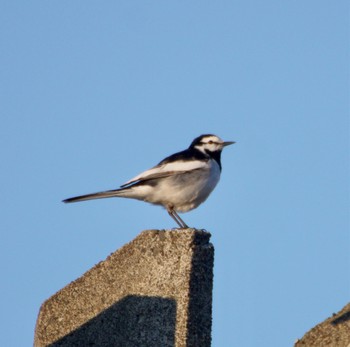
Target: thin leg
173,217
184,225
176,217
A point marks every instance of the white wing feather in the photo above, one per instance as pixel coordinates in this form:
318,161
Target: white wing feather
167,169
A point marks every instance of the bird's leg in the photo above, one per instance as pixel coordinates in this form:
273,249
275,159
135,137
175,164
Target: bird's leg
173,217
184,225
176,217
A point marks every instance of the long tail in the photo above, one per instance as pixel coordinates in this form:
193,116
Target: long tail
99,195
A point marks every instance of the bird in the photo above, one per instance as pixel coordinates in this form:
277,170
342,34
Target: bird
179,183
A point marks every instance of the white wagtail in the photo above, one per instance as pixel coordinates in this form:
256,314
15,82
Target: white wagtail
180,182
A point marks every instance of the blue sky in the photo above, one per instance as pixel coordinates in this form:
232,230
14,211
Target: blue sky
92,93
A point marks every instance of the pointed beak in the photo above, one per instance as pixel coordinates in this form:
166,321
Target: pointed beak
227,143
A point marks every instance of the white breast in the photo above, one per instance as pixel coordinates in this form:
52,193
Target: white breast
184,191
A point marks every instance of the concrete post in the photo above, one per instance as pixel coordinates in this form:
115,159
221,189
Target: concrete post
154,291
333,332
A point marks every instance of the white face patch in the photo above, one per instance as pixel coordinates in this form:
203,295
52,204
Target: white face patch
212,138
210,143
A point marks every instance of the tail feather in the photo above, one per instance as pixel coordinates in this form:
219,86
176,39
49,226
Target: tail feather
99,195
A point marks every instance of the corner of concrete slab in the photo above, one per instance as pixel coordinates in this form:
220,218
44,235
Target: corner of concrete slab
333,332
154,291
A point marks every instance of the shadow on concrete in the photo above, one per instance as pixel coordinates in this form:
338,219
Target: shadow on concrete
341,319
133,321
201,289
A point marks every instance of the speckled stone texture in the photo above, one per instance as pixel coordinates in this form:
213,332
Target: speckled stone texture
154,291
333,332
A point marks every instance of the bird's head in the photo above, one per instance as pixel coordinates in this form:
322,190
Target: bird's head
209,143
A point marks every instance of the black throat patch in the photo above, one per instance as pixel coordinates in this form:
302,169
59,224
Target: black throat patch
216,156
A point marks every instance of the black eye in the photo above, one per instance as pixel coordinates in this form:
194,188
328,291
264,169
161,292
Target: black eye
210,142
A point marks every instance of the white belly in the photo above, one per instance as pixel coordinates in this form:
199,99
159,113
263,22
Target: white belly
183,192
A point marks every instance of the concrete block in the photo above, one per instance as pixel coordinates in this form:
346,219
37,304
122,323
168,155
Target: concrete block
333,332
154,291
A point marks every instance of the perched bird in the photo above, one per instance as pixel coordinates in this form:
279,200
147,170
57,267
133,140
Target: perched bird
180,182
